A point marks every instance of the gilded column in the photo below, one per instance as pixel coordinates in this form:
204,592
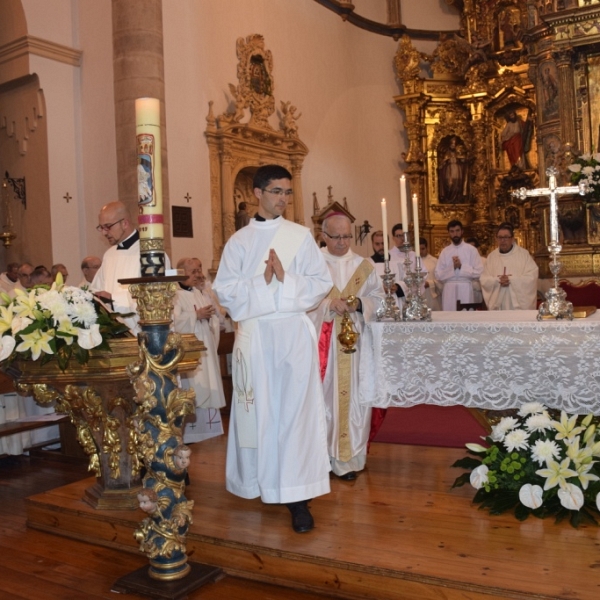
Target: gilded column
297,188
227,195
138,72
566,97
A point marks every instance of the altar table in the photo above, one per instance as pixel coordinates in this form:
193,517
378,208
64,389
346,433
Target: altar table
489,360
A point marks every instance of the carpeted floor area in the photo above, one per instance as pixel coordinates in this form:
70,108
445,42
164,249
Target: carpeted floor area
425,425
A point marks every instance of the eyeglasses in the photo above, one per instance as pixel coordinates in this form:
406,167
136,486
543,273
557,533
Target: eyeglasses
398,235
337,238
108,227
279,192
504,237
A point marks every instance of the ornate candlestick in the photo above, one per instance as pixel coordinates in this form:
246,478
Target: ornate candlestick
388,309
415,308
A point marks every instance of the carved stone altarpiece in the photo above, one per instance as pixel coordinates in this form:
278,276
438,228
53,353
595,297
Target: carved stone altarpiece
237,148
491,109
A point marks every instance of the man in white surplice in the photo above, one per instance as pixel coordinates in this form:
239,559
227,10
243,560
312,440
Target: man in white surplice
458,265
348,422
271,273
510,276
194,313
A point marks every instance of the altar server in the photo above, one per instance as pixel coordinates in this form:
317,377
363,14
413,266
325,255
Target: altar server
510,276
458,265
271,273
348,422
194,313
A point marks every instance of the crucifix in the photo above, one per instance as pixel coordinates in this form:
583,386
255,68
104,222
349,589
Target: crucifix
555,304
188,197
68,197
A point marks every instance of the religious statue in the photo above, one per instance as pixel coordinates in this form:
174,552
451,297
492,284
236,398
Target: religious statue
549,90
516,138
289,118
452,171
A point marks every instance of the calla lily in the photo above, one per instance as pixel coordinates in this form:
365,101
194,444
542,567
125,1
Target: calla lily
476,448
598,501
7,345
37,342
566,428
556,473
6,317
479,476
531,495
89,338
571,496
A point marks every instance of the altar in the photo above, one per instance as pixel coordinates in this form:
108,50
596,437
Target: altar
488,360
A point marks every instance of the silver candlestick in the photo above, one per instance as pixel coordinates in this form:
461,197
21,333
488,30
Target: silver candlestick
415,307
389,308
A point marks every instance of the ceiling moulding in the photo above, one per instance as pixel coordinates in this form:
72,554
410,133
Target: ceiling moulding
30,44
345,9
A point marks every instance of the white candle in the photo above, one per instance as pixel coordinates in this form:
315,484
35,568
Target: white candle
403,203
415,209
384,223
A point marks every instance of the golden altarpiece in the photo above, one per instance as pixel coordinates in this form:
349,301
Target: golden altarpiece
491,109
237,148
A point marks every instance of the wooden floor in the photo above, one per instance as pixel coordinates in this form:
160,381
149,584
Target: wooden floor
398,532
42,566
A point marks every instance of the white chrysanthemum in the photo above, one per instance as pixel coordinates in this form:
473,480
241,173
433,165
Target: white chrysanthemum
544,450
54,302
539,422
83,312
587,170
531,408
517,439
500,429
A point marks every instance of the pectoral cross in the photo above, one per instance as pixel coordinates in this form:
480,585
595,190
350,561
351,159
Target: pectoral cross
554,192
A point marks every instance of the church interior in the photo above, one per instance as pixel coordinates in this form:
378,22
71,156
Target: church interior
468,100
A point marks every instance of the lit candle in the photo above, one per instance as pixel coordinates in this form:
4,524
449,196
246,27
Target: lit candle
415,209
149,176
403,203
384,224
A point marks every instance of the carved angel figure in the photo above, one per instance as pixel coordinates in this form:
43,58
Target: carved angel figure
289,118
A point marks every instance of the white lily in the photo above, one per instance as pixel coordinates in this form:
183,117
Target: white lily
566,428
25,304
6,317
585,476
37,341
20,323
556,473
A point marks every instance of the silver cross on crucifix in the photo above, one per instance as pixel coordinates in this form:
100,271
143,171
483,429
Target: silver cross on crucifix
554,192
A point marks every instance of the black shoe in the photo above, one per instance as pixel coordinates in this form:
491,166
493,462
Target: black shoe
302,520
349,476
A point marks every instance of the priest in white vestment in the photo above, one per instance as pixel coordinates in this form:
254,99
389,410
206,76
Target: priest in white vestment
120,261
433,288
510,276
194,313
348,422
10,278
271,273
458,265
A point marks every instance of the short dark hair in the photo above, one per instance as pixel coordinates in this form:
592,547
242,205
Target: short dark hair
378,232
508,227
423,242
455,223
397,227
265,174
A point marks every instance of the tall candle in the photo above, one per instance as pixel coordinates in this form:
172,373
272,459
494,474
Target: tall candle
149,175
385,229
403,203
415,209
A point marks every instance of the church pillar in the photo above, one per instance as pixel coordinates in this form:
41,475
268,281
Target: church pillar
567,109
138,72
227,195
297,188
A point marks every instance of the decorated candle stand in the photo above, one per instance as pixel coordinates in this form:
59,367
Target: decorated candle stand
556,304
389,308
163,405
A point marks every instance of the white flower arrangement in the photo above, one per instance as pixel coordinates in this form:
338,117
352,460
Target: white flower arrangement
537,465
57,322
587,168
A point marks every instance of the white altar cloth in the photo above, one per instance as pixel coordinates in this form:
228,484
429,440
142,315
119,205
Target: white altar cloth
492,360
